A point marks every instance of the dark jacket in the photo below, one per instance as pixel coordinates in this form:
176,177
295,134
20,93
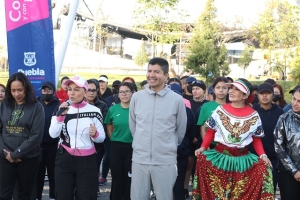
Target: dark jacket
269,120
107,93
183,148
287,137
49,109
112,100
104,109
21,129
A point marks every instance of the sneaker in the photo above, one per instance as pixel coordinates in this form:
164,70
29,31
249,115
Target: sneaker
102,181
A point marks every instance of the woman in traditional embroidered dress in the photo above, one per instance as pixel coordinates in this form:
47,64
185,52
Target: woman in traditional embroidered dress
229,171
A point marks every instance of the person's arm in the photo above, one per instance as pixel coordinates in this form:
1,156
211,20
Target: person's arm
110,129
181,121
132,117
2,145
209,138
36,136
203,131
279,143
258,146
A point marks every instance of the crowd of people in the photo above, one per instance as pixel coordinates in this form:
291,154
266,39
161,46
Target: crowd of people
232,139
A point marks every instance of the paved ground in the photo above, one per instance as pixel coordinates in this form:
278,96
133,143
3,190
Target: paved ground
105,191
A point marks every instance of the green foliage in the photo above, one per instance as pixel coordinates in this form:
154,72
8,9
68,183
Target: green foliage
245,59
159,20
207,51
278,28
295,70
141,57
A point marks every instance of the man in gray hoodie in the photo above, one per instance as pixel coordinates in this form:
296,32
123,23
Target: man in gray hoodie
157,121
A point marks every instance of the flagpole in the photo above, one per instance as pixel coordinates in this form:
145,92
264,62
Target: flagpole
62,44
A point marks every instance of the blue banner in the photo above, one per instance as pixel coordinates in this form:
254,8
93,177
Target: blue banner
30,40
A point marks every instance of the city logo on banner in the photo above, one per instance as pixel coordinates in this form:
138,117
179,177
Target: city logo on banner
29,59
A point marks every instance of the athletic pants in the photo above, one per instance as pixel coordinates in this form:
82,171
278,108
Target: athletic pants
178,189
120,167
289,187
24,171
163,178
48,162
78,172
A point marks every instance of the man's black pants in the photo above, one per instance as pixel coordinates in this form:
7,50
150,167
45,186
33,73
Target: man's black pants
288,186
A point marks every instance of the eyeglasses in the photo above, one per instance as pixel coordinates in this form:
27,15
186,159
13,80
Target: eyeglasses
125,92
92,90
47,91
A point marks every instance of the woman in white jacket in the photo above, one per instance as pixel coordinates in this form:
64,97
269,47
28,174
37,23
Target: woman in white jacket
78,127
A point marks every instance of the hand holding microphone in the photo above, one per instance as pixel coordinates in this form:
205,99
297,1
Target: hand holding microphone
63,108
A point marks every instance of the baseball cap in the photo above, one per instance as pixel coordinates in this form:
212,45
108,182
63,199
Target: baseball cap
271,81
200,84
144,82
190,79
176,88
240,85
102,78
295,88
254,87
265,87
116,83
210,89
79,81
48,84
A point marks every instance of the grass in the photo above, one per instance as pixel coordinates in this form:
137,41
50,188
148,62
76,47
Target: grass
286,85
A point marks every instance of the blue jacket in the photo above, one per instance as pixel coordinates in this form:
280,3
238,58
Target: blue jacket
269,120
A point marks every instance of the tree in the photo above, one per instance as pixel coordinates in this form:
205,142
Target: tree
141,57
245,59
160,21
207,50
295,69
278,28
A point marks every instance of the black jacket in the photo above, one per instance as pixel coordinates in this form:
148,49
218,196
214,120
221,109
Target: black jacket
21,129
49,109
107,93
287,145
269,120
183,148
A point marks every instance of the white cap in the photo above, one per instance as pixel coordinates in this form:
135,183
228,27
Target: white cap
102,78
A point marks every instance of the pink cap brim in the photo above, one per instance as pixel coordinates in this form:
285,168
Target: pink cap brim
239,86
76,83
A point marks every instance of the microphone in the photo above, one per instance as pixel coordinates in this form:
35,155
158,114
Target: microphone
69,102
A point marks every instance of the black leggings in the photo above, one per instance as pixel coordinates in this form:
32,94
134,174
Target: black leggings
24,171
120,166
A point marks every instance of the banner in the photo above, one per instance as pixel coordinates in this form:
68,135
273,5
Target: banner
30,40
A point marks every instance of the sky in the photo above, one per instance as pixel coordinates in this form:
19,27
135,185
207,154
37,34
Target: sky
121,11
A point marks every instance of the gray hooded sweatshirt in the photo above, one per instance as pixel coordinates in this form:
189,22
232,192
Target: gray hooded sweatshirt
157,122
